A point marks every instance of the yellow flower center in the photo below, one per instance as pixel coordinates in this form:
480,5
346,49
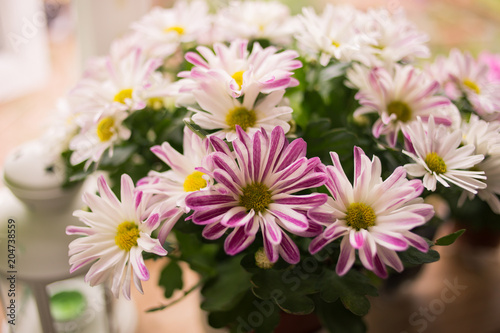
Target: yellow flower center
241,116
472,85
360,216
335,43
178,29
126,235
400,109
194,182
155,103
261,259
256,196
123,95
105,129
238,77
435,163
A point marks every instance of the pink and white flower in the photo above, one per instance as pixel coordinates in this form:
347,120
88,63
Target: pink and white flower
372,216
97,135
116,234
439,158
240,69
219,111
120,87
171,187
256,191
471,78
399,96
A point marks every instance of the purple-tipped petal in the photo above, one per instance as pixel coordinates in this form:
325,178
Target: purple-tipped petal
214,231
237,241
346,258
390,240
288,250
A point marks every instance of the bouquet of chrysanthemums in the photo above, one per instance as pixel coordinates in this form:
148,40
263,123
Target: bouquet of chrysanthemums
286,159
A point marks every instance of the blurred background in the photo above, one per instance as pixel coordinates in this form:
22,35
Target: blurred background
44,45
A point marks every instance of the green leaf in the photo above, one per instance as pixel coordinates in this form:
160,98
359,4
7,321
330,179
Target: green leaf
120,156
171,278
250,314
225,290
200,256
288,288
351,288
335,318
449,239
413,257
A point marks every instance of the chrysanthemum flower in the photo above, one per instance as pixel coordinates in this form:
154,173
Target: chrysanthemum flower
115,236
97,135
471,78
371,215
395,38
331,34
219,111
255,192
162,30
120,87
399,96
439,157
171,187
239,69
255,20
485,136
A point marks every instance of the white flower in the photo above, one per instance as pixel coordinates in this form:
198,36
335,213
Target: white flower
439,158
371,215
239,69
331,34
120,87
399,96
395,38
97,135
171,187
116,234
485,136
256,20
219,111
163,30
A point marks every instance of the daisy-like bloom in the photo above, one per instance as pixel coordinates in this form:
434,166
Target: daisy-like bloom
395,38
439,158
485,136
239,69
256,20
219,111
371,215
471,78
116,234
493,63
120,87
399,96
255,192
162,30
97,135
332,33
171,187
